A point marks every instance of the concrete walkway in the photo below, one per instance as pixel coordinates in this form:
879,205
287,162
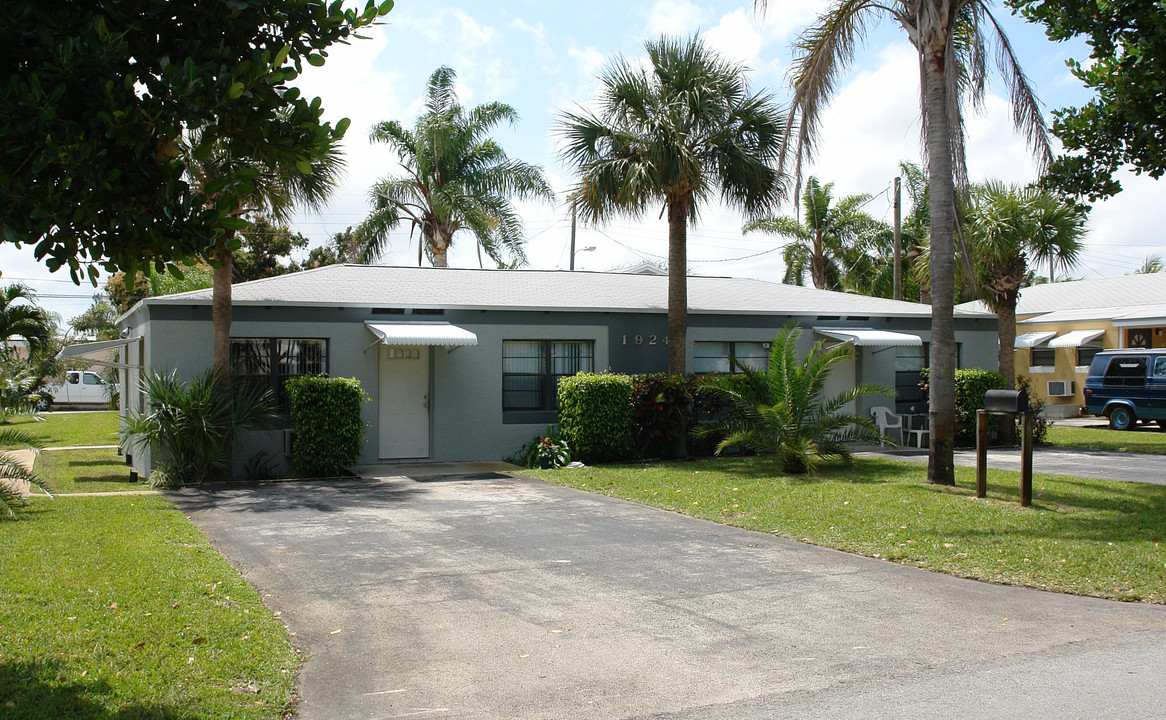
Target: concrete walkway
480,595
25,458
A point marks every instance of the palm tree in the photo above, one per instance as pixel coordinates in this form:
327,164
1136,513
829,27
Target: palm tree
456,178
783,411
951,39
21,318
280,181
1152,264
831,232
676,133
1009,227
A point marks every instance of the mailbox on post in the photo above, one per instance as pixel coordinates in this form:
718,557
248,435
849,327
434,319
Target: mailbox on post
1006,401
1010,403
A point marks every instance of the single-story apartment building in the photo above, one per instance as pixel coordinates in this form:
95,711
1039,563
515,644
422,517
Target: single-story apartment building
461,365
1061,326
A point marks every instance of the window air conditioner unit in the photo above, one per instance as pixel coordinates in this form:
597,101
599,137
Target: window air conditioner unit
1061,388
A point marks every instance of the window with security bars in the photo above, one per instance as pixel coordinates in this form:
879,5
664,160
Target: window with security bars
723,357
531,370
269,362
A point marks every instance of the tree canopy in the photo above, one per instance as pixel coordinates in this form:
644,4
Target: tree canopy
95,98
1124,124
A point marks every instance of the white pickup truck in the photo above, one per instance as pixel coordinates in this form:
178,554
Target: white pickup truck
80,387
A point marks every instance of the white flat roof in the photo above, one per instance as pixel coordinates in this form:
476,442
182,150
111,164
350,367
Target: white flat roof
459,289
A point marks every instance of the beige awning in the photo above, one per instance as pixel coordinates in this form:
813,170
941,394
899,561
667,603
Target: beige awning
866,337
421,333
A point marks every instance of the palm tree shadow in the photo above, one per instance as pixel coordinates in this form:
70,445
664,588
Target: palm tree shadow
34,690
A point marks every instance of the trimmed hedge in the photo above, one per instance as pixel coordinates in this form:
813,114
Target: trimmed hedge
595,416
971,384
325,413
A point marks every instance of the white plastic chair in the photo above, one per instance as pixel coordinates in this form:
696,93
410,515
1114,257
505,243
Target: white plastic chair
887,420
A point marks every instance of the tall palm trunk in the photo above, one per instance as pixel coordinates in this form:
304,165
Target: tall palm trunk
818,262
221,305
933,46
678,300
1006,331
677,284
439,239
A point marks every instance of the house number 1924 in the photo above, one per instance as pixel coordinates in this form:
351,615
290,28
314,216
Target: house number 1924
644,339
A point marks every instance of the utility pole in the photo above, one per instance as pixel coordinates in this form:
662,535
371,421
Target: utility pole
573,207
898,293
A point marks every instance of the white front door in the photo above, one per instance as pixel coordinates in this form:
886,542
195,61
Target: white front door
404,412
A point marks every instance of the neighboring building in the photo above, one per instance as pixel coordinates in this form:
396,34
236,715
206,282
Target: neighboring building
462,364
1061,326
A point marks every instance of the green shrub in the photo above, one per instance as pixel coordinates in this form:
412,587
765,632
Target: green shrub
971,384
662,408
1036,406
195,425
595,416
325,413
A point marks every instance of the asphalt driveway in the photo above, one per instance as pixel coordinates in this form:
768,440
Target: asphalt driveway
487,596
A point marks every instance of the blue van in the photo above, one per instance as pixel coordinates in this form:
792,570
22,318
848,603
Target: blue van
1127,386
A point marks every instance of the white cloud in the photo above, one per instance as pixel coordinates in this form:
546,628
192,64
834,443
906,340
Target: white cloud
737,37
673,17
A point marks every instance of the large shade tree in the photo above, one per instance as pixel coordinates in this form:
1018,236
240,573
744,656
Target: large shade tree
680,132
456,178
827,241
94,98
1124,123
952,39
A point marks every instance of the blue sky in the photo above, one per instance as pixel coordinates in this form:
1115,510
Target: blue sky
542,57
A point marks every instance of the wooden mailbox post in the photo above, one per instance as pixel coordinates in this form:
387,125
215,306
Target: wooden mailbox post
1009,403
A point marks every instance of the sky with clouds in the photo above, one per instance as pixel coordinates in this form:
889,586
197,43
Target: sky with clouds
543,57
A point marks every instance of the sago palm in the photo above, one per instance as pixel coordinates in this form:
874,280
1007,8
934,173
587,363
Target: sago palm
782,411
951,39
13,473
195,425
456,178
822,241
682,131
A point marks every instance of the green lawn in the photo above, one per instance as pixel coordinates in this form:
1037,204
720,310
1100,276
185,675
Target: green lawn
117,607
73,471
70,429
1143,439
1089,537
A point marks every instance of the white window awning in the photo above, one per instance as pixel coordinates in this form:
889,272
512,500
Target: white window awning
421,333
99,353
866,337
1032,339
1076,338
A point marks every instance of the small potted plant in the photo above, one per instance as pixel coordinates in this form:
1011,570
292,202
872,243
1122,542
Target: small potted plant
552,452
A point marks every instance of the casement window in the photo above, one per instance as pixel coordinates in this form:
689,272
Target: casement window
723,357
531,370
269,362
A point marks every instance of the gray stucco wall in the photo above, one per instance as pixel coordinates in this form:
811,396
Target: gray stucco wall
466,417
